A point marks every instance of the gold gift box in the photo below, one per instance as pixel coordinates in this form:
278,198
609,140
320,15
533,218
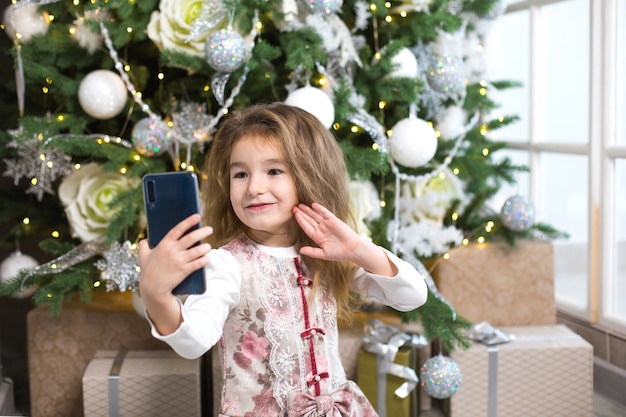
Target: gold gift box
367,379
500,284
141,383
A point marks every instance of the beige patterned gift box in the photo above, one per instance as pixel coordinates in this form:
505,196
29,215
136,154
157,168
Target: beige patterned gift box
500,284
141,383
545,371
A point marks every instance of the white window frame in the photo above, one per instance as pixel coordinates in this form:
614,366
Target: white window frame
601,150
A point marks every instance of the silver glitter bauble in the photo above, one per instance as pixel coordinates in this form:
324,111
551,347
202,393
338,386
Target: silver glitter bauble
517,214
441,377
151,136
225,50
325,6
446,75
496,9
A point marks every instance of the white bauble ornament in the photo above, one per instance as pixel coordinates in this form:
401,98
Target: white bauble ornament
405,64
452,123
11,266
315,101
102,94
413,142
25,20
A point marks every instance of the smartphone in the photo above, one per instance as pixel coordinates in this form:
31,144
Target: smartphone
169,198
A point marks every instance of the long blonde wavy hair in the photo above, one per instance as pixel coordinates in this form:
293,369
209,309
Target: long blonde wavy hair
314,160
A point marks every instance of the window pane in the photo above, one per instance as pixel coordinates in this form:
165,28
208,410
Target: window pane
618,293
621,74
564,205
507,52
564,92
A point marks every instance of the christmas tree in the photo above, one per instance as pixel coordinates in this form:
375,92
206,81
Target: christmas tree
99,93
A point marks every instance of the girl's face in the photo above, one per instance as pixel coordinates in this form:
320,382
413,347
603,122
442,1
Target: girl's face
262,191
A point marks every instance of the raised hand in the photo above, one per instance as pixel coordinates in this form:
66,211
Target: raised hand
336,241
165,266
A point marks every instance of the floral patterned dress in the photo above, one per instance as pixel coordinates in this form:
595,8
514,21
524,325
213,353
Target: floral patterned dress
278,345
279,349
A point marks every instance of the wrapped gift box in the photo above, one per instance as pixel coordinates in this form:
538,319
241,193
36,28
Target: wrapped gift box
351,340
500,284
141,383
367,379
60,347
545,371
6,397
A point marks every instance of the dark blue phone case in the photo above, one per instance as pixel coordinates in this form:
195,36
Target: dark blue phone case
169,198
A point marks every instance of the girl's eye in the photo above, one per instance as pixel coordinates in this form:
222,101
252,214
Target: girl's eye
275,171
239,175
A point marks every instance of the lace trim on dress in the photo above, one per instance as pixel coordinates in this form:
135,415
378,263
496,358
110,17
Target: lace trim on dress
277,297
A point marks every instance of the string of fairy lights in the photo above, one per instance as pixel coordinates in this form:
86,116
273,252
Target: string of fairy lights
361,120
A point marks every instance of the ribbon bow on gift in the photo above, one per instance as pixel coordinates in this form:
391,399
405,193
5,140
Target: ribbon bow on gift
485,333
335,404
385,340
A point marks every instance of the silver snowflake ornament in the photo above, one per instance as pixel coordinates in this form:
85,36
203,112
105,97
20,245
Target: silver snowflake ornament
41,166
120,267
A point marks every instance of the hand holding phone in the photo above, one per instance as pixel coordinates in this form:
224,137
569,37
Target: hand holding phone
169,198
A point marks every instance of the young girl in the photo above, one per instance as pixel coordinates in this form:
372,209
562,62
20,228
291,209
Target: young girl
284,267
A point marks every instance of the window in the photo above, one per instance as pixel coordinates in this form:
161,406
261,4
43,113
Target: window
570,56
